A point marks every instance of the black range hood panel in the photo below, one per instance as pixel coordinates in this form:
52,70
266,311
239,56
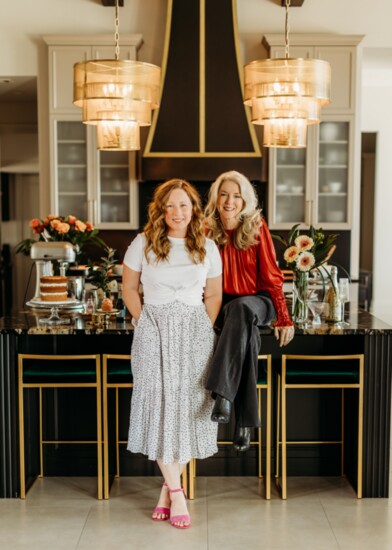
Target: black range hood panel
202,127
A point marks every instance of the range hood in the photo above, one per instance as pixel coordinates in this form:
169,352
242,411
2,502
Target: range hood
202,127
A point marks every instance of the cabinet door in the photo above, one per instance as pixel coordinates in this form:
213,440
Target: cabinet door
288,189
113,190
61,62
71,169
333,173
342,78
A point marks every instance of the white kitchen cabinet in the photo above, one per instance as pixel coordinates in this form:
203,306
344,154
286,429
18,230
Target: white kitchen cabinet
99,186
312,185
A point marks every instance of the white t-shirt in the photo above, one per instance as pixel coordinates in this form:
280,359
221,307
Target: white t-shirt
178,278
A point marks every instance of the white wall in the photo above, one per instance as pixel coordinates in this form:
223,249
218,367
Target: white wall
24,21
377,117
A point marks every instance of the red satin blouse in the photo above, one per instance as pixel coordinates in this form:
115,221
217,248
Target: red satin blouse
245,272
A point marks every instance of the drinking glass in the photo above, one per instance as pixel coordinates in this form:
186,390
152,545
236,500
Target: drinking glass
319,310
90,300
344,295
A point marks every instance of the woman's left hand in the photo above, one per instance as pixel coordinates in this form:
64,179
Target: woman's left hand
284,335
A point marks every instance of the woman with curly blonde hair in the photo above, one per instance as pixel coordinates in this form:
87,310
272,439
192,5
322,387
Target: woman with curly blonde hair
180,270
252,296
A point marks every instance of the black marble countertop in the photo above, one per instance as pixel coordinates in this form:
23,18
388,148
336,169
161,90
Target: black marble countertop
27,322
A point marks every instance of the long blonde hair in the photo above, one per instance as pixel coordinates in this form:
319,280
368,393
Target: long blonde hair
249,219
155,229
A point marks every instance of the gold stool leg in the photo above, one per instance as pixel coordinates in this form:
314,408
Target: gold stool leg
41,451
99,427
259,437
21,432
105,432
192,478
284,446
117,437
268,434
342,437
278,431
360,428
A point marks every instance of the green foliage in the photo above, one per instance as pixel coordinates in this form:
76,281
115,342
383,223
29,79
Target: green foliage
100,273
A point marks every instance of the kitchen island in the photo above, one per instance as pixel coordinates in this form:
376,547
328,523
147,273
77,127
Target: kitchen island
22,333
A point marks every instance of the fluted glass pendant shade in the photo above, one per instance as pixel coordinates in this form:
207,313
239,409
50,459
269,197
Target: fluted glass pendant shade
118,96
286,94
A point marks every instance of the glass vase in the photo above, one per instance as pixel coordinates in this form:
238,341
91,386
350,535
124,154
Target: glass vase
300,308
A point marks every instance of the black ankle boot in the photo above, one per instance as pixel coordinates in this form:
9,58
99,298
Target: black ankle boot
221,411
241,438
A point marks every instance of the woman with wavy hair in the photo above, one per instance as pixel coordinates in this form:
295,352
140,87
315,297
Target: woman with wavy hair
180,270
252,297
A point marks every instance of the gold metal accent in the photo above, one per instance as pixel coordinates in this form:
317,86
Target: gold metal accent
202,77
40,387
283,386
202,152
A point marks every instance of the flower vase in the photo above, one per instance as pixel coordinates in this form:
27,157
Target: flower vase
300,296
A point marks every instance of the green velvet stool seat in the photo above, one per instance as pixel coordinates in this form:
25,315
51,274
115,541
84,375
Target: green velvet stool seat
58,372
318,372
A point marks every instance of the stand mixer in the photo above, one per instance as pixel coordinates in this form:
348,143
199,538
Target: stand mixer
44,253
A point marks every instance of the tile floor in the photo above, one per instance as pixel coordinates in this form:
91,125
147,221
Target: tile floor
228,514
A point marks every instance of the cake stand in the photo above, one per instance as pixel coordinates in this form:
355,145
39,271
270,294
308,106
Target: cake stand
54,318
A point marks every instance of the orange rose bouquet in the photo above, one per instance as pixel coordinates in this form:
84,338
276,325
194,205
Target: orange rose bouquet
60,228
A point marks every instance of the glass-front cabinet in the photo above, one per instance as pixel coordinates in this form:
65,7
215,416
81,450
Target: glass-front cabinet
92,185
113,188
312,185
290,187
71,172
333,173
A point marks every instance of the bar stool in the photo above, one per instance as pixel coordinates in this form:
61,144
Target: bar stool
116,374
58,371
263,383
306,372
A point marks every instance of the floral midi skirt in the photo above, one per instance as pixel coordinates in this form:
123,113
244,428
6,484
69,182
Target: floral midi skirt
170,408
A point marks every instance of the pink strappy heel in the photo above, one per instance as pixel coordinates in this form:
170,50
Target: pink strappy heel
183,517
165,512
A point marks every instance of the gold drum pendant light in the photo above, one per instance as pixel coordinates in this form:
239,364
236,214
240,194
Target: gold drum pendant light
286,94
117,96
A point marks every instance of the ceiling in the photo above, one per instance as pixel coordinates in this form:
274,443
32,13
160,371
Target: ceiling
18,89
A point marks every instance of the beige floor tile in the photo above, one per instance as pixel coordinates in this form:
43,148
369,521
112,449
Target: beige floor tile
228,513
360,524
59,490
296,524
38,528
117,527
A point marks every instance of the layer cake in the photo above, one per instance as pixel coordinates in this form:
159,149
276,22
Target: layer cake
53,288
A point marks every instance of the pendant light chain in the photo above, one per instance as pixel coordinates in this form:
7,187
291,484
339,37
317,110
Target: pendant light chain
286,31
117,33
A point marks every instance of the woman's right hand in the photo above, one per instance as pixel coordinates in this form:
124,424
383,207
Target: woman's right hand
284,334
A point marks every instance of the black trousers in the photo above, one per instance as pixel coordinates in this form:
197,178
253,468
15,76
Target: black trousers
233,370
